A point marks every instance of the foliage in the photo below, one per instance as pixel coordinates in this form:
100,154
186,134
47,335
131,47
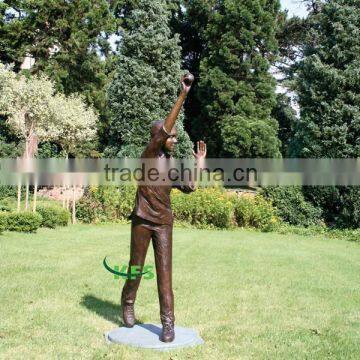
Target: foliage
340,204
204,208
328,83
190,24
146,82
49,149
3,221
291,205
34,110
10,145
89,210
328,90
24,221
236,90
67,40
106,203
285,115
77,121
53,216
322,230
7,191
255,212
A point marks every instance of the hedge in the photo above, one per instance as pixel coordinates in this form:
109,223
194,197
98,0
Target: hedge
53,216
24,221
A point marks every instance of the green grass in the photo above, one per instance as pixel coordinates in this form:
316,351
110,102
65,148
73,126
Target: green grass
249,294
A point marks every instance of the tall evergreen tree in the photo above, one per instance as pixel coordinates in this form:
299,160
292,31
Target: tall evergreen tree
328,83
147,80
236,89
328,91
284,113
191,22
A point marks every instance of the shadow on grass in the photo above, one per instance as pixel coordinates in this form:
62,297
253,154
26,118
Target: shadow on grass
107,309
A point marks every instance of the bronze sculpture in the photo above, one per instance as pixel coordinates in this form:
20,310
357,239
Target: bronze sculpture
152,219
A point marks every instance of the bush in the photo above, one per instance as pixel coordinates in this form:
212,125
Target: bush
53,216
89,210
350,208
340,204
24,221
7,191
5,207
291,205
3,221
106,203
347,234
209,207
255,212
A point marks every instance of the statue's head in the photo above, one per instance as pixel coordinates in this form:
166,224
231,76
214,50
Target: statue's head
171,141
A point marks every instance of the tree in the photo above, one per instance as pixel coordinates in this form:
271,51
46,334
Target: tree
328,83
66,39
35,113
236,89
285,115
328,91
147,80
190,23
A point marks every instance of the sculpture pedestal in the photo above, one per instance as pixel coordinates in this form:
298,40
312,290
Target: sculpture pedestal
148,336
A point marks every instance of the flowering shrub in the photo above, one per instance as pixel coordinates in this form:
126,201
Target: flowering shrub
209,207
106,203
255,212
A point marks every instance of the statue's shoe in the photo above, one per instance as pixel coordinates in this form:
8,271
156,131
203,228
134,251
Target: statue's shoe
168,332
128,314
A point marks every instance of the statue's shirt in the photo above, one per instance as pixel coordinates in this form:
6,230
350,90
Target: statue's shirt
152,202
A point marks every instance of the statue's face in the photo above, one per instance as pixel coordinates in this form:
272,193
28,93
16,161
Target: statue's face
171,141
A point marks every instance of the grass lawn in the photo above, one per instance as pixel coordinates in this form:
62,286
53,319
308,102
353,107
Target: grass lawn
248,294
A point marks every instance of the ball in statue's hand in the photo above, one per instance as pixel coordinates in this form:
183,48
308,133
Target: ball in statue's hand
189,79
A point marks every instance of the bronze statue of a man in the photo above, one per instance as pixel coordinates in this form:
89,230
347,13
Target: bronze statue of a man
152,219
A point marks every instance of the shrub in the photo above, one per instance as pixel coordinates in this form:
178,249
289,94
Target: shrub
106,203
88,210
4,207
291,205
7,191
24,221
255,212
340,204
347,234
209,207
8,204
3,221
53,216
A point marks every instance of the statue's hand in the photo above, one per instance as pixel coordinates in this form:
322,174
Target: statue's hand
200,150
185,86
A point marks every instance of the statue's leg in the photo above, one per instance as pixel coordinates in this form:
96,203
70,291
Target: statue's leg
141,233
162,243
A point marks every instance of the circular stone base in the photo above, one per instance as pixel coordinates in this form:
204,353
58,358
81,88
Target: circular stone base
148,336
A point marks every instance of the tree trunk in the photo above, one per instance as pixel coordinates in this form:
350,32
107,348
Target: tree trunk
31,147
35,196
27,196
19,197
73,207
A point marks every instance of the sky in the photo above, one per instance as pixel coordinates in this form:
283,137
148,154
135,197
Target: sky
295,7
